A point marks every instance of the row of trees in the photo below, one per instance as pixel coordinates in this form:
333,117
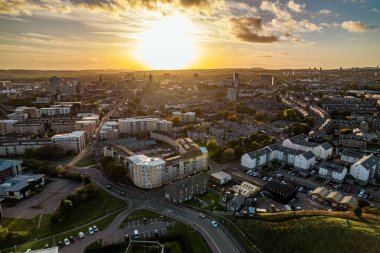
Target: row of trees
113,169
86,193
236,148
48,152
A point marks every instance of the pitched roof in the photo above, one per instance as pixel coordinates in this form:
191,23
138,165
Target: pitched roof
322,191
332,167
352,153
368,162
308,155
326,146
6,164
349,200
335,195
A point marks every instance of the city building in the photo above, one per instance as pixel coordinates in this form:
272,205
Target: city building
351,156
352,141
281,193
18,147
186,116
246,189
197,134
54,85
187,188
332,171
232,94
55,111
74,141
134,126
220,177
267,80
9,168
304,162
236,78
146,172
164,136
109,130
300,142
21,186
364,170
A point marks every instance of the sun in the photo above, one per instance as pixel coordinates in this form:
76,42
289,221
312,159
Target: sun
167,44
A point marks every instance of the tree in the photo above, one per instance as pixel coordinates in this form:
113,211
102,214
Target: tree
357,211
255,145
4,233
176,120
290,114
212,145
260,116
345,131
229,154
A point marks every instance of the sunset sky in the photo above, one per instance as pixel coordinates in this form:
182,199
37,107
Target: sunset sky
172,34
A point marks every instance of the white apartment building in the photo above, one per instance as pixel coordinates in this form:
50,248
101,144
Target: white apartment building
146,172
186,117
133,126
15,148
109,131
299,142
364,170
232,94
332,171
351,156
74,141
55,111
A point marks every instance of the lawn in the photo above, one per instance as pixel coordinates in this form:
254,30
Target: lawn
81,215
212,199
87,161
295,232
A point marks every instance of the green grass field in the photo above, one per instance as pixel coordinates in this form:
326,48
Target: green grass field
212,199
81,215
87,161
303,232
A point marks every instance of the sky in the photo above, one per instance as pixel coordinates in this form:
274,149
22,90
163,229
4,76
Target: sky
176,34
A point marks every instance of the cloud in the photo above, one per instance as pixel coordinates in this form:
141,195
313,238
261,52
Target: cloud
250,29
325,12
375,10
275,8
27,7
296,7
355,26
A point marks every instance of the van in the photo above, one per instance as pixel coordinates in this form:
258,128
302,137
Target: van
136,234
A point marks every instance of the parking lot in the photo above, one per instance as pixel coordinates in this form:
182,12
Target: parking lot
44,202
153,227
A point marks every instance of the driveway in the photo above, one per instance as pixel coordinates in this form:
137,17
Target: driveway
47,200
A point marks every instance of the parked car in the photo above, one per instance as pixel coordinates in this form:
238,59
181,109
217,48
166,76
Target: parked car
61,244
270,179
95,228
66,242
145,221
46,246
109,187
214,223
265,178
28,251
81,235
156,234
90,230
71,239
201,215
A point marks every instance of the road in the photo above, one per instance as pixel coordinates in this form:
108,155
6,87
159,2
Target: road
219,239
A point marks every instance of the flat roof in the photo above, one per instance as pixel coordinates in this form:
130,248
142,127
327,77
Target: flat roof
6,164
221,175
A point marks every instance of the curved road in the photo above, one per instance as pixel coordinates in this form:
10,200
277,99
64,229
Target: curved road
220,240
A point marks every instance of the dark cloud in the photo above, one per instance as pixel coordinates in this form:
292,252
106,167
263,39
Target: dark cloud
250,29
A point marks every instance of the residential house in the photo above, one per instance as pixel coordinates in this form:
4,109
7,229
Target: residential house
332,171
349,156
364,170
304,162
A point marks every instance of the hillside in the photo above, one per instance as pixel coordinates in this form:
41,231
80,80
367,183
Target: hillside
304,232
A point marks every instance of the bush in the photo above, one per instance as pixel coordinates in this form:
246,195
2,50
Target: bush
48,152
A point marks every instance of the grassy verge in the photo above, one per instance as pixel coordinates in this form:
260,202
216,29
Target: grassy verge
300,232
81,215
87,161
212,199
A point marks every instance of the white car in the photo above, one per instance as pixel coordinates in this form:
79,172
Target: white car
95,228
66,242
28,251
214,223
202,215
81,235
265,178
90,230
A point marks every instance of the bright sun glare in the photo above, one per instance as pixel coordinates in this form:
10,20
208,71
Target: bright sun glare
168,44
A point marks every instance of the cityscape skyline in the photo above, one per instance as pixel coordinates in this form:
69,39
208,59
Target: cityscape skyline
202,34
